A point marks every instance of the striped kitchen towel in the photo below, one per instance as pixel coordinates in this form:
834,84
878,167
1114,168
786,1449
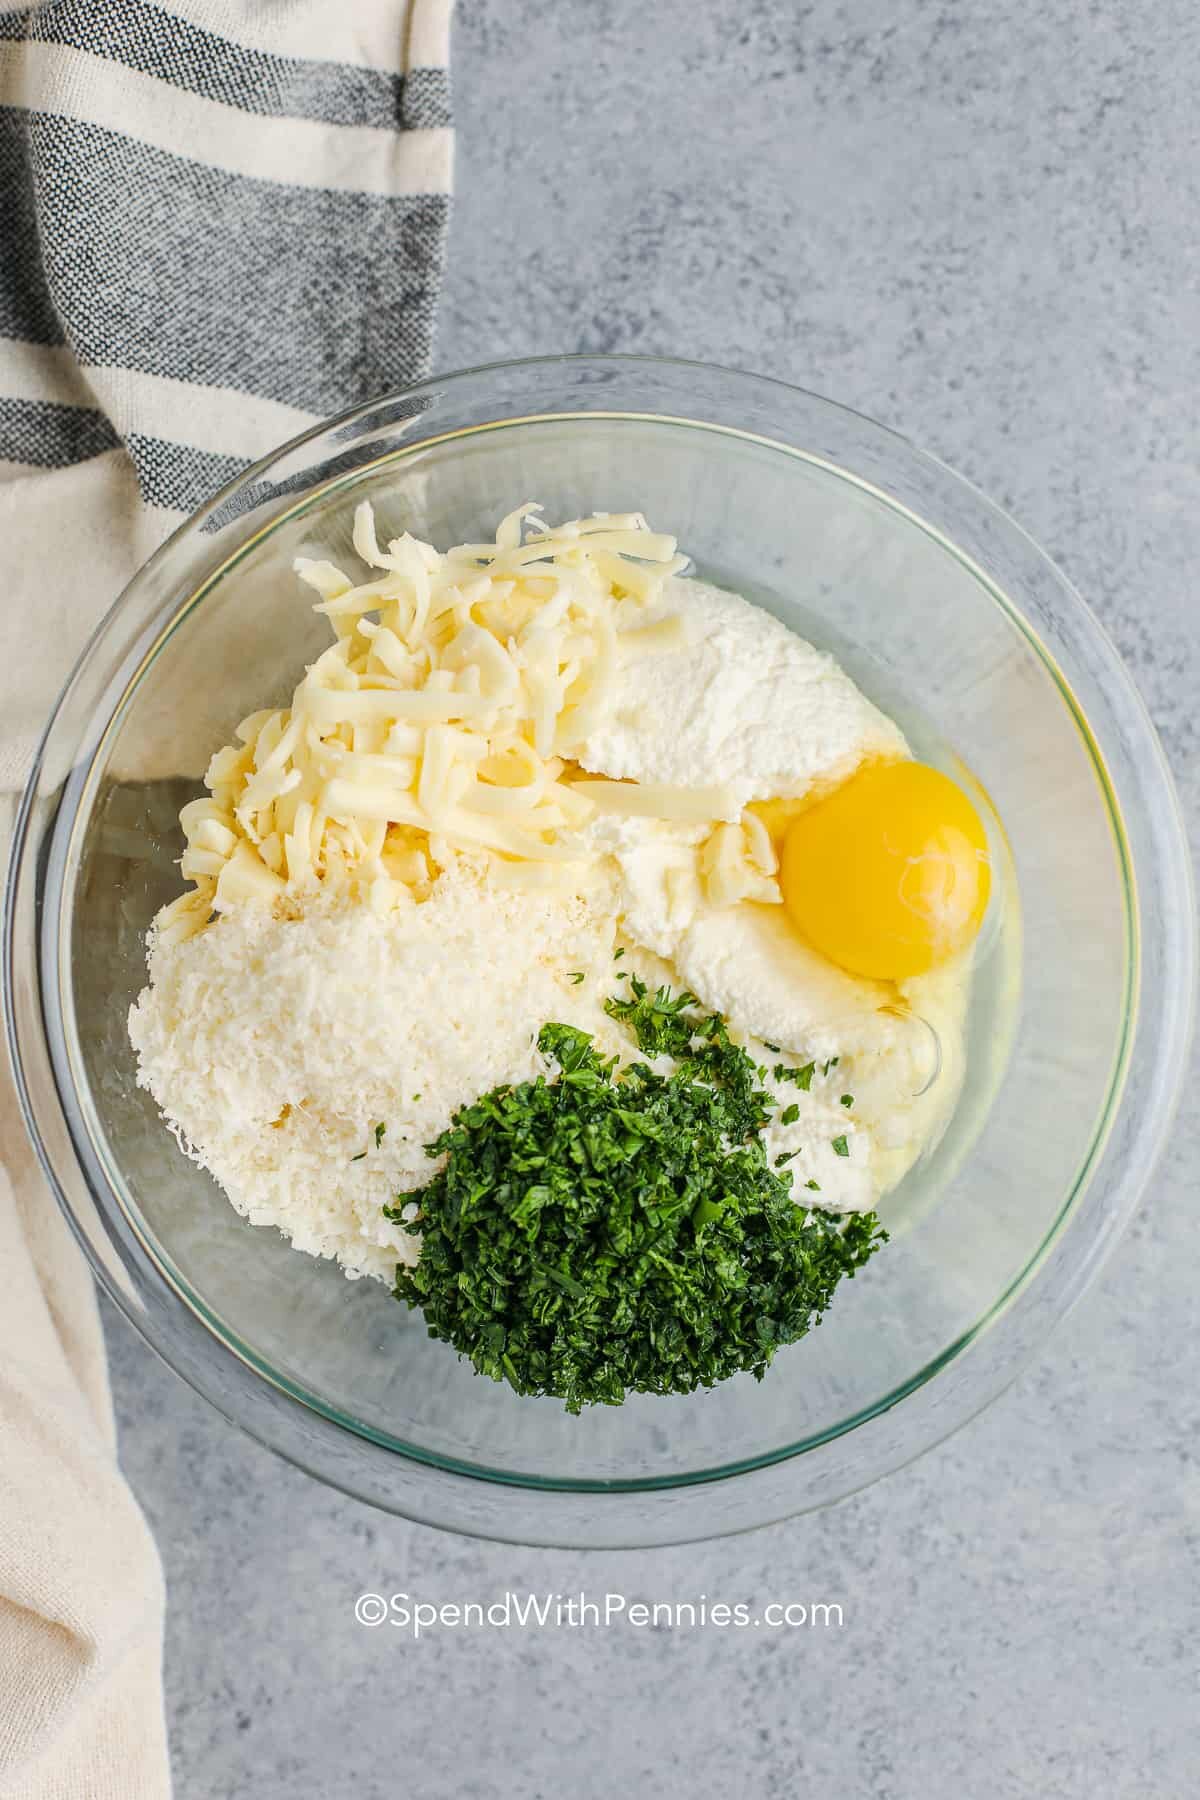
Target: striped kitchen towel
220,220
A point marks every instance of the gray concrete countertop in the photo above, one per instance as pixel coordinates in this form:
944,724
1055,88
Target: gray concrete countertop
977,223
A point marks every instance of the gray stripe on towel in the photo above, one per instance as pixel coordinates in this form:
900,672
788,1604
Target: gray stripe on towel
316,298
179,475
156,41
26,309
44,434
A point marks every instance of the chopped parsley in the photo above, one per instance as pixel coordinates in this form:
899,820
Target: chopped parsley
575,976
801,1078
359,1157
610,1231
379,1131
847,1099
617,955
814,1185
790,1114
840,1147
831,1064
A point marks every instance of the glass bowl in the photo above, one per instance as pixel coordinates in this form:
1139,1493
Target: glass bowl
941,608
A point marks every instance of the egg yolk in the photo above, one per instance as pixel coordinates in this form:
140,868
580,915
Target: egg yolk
889,874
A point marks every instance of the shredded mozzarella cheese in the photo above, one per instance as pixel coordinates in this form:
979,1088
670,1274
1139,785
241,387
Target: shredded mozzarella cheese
438,720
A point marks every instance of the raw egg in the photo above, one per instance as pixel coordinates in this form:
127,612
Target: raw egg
888,875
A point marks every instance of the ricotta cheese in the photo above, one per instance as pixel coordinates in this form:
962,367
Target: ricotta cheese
741,702
900,1047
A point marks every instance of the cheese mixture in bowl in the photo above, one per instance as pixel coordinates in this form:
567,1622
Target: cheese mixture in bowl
580,951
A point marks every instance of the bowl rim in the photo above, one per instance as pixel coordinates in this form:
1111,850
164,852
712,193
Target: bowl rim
507,1479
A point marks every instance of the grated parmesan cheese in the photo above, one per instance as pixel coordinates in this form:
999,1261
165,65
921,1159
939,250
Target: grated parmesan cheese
275,1045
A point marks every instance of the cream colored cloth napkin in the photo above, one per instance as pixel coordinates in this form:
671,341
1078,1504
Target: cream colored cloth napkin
81,1591
222,222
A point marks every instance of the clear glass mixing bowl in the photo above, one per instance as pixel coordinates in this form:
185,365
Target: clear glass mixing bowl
929,594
